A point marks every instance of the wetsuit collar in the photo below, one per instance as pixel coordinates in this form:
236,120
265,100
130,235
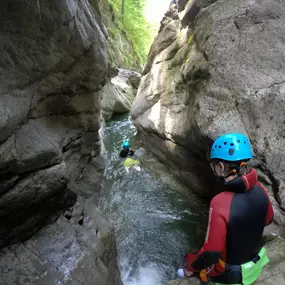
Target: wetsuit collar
243,183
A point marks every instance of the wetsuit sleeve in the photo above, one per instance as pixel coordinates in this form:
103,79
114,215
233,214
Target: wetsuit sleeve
270,212
215,240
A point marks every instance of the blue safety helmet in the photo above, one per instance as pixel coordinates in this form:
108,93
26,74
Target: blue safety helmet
231,147
126,145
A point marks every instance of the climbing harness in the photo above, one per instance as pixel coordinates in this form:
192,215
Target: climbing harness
250,271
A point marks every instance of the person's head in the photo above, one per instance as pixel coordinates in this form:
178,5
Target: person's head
229,155
126,145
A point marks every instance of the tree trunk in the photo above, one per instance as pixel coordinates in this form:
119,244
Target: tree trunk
123,10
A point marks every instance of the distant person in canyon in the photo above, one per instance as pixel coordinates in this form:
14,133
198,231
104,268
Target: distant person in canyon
232,252
126,151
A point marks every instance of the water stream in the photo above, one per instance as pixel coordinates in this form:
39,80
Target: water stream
156,219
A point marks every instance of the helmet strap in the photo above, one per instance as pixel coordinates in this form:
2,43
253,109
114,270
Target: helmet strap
236,169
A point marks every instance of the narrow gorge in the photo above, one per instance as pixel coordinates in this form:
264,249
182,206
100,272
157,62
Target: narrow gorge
75,85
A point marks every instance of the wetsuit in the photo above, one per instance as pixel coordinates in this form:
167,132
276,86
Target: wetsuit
237,218
126,152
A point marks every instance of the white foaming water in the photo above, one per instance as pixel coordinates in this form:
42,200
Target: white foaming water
147,275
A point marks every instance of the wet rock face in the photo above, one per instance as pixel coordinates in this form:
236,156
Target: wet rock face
162,110
77,249
53,61
53,64
222,71
119,93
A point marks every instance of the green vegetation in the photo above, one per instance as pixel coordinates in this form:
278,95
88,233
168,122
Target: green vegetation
131,20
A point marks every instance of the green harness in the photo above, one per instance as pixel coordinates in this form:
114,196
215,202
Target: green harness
252,270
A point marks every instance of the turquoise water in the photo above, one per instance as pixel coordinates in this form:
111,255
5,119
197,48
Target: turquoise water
156,219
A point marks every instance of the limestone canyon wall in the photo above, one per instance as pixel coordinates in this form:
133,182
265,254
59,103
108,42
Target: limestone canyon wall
217,66
53,63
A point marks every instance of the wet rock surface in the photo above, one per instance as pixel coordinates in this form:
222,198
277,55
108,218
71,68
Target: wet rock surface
119,93
50,111
77,249
221,71
54,61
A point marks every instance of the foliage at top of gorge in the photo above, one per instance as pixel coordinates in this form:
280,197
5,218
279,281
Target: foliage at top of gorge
129,17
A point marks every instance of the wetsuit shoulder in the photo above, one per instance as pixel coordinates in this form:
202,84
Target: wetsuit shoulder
123,153
222,200
270,211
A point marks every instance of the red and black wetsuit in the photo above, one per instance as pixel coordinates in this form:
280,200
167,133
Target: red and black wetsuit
237,218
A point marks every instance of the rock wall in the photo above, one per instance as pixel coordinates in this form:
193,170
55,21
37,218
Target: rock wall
54,61
119,93
217,66
79,248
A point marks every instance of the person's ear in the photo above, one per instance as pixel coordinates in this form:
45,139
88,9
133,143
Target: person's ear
222,166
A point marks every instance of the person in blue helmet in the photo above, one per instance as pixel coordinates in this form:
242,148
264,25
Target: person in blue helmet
126,150
232,252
